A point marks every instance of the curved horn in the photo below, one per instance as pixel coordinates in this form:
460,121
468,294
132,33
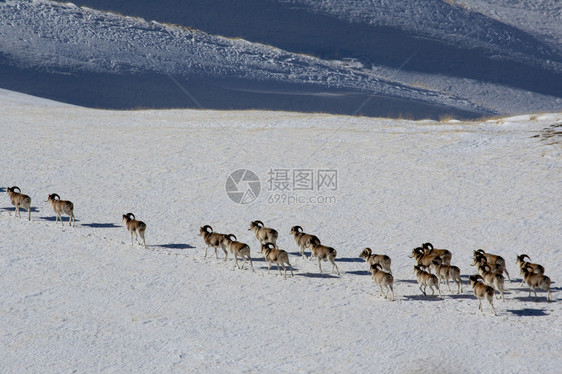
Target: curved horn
130,215
258,223
427,246
481,251
270,245
55,196
298,228
13,189
368,251
207,228
475,277
523,256
231,236
376,266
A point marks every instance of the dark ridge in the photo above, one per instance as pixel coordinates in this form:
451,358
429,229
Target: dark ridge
157,91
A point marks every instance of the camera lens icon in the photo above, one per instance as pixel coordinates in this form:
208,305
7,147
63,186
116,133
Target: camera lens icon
243,186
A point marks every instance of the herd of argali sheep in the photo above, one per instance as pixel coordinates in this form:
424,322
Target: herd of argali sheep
488,279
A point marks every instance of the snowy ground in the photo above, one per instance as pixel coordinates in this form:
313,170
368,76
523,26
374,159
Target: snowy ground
83,299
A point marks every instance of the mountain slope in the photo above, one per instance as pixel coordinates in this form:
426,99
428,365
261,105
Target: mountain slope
433,36
85,52
392,60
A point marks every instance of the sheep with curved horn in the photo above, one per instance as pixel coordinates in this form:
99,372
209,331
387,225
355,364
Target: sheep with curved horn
482,291
537,281
62,207
424,259
303,240
444,272
214,240
238,249
273,255
491,278
492,260
537,269
263,234
19,200
445,254
135,227
383,260
383,279
324,253
426,279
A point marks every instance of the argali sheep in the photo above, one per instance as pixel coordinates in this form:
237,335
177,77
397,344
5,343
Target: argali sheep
492,279
492,260
383,279
482,291
302,239
537,269
238,249
19,200
535,281
62,207
273,255
424,260
135,227
480,259
383,260
444,272
263,234
425,280
445,254
324,253
213,239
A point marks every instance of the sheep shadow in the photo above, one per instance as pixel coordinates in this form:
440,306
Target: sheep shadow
533,299
528,312
13,209
358,272
318,275
411,281
98,225
273,268
422,297
2,189
54,218
298,254
174,246
461,296
349,259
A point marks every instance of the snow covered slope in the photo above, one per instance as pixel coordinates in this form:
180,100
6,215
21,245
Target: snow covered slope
540,18
91,58
83,299
453,43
